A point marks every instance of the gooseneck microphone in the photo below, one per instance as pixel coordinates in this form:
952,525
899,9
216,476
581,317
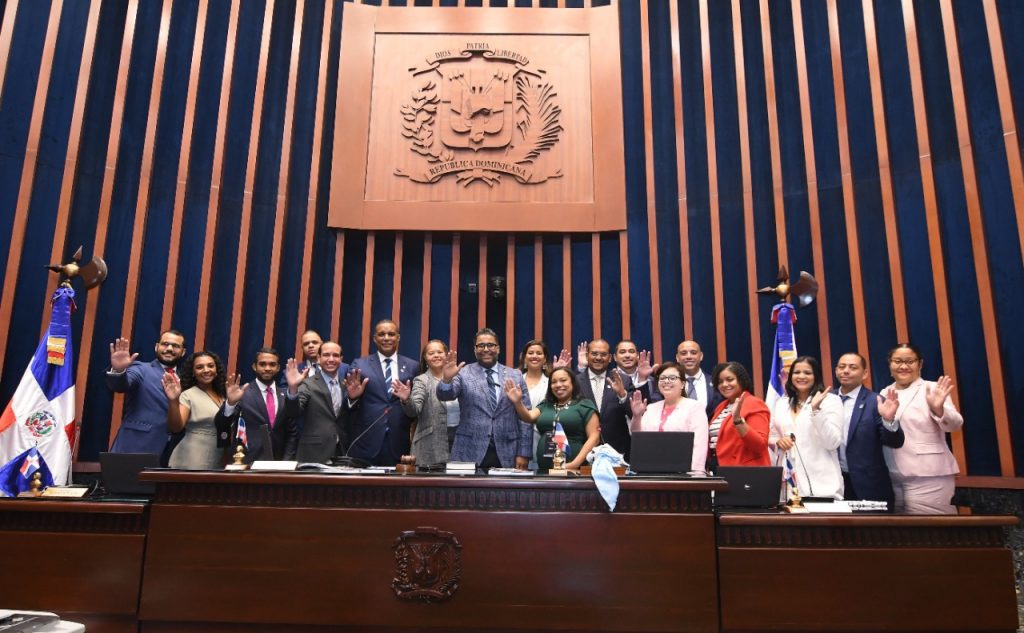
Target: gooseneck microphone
347,461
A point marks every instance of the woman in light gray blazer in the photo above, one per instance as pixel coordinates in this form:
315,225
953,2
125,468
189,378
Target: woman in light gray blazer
435,423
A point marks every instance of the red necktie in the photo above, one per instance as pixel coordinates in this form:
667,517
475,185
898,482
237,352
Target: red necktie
271,406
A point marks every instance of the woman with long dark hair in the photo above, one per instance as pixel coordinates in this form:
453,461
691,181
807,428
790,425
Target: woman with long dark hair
192,405
563,405
807,426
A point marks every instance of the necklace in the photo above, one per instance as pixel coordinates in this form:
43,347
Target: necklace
561,407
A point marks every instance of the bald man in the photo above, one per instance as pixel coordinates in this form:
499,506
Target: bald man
698,383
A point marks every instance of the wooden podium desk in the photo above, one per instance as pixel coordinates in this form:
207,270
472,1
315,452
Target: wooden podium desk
302,551
79,559
865,573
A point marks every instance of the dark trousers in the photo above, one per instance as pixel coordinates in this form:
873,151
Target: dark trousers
490,459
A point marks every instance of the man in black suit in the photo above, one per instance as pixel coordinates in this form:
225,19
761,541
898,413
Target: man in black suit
324,400
270,433
609,390
865,475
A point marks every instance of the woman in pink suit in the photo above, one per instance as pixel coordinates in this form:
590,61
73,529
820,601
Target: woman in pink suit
675,412
924,468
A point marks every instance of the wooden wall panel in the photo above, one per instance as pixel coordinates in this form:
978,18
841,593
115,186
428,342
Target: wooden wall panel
335,283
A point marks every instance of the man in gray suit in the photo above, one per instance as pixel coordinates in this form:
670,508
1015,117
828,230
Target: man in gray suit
490,434
325,400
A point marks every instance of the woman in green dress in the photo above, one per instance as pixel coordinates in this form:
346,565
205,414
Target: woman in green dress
565,405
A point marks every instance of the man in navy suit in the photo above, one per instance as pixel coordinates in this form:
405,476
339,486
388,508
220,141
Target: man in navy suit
270,433
609,390
144,424
490,433
380,428
865,475
697,384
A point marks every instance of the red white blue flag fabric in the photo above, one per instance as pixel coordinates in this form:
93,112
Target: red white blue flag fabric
241,437
41,414
561,439
783,353
16,476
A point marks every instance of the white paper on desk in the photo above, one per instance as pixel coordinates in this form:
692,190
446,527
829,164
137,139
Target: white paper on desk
266,464
836,507
511,472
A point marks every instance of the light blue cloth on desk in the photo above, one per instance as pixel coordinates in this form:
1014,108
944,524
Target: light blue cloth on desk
605,459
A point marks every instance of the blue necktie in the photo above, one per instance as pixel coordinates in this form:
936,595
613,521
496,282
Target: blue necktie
492,397
388,380
843,398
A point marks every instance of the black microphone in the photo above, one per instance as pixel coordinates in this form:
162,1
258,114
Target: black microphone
346,461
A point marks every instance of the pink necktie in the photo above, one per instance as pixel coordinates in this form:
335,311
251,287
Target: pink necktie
271,406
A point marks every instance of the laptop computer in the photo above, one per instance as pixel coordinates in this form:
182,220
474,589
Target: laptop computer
750,487
667,453
119,472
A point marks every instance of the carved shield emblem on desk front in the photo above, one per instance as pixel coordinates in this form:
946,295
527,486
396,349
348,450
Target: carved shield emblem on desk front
428,565
479,113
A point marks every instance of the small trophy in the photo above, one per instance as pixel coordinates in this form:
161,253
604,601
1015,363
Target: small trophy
239,459
795,505
35,486
558,463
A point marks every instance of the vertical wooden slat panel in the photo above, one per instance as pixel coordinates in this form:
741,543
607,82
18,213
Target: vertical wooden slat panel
779,199
106,194
250,181
538,296
281,212
67,183
684,225
6,37
885,176
652,221
396,290
931,207
216,178
339,275
371,245
145,182
510,300
1006,114
184,159
990,326
28,174
846,169
716,232
623,283
595,282
314,181
748,197
814,210
453,324
481,284
566,294
428,247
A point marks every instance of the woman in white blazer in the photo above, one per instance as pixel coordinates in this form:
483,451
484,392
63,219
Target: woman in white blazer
923,470
807,425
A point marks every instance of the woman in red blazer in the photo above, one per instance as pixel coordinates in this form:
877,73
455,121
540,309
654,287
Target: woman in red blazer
739,426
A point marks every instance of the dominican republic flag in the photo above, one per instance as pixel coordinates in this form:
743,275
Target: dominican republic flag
41,414
790,475
241,437
16,476
783,353
561,439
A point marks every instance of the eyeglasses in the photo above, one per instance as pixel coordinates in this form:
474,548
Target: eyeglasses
168,344
903,362
669,379
487,346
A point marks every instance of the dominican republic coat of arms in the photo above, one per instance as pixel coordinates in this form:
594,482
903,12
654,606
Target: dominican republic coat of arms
479,112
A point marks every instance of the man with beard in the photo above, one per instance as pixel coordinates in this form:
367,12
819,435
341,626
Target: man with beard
144,424
608,389
270,433
490,433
